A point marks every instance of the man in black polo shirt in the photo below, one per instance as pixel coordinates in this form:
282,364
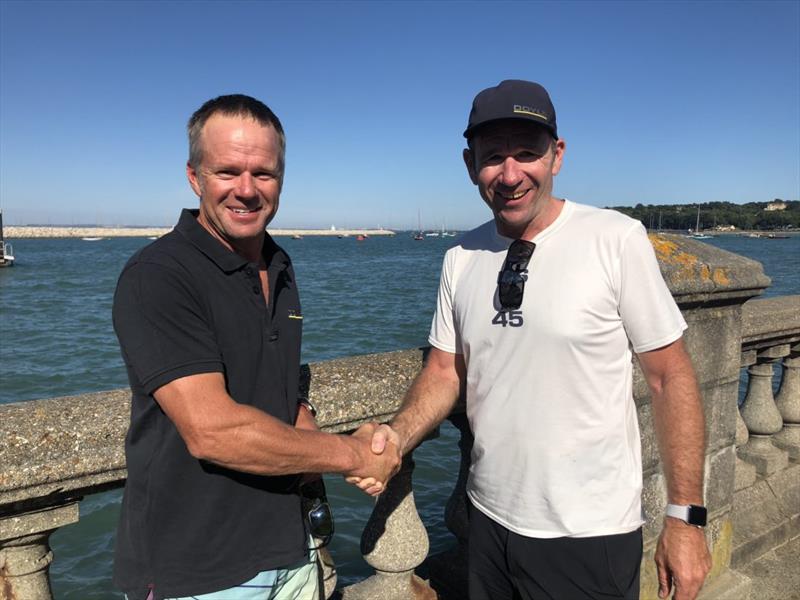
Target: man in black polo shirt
209,322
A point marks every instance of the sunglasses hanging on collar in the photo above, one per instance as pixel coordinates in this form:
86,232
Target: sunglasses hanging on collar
511,279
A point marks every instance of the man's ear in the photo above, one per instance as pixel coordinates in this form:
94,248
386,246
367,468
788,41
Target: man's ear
470,164
194,179
558,158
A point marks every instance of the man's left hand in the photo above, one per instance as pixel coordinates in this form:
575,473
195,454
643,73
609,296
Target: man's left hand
682,559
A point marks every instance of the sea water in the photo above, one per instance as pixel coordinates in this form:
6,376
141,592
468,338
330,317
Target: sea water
358,297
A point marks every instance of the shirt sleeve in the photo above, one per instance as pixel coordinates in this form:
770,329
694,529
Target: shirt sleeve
444,335
649,313
163,331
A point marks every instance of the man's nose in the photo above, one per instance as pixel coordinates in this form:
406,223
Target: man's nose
245,187
511,174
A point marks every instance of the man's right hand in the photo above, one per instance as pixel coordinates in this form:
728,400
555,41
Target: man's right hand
380,455
384,440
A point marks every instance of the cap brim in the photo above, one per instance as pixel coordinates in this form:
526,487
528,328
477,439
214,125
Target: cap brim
471,131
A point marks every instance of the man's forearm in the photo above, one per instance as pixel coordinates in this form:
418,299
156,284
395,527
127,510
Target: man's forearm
680,428
427,403
251,441
218,429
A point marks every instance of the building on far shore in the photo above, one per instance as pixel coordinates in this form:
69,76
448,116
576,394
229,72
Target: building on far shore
776,205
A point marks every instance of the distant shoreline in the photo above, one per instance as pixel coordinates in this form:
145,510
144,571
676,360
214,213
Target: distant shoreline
25,232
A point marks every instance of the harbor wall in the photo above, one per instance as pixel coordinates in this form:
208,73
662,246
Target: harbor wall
27,232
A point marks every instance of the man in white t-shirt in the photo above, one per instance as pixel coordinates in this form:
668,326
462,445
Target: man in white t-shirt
539,314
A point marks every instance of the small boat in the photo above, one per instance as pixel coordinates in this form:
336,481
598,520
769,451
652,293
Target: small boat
297,236
92,239
777,236
697,234
6,252
360,238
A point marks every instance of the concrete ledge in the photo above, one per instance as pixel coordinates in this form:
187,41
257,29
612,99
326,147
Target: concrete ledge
62,448
770,321
701,274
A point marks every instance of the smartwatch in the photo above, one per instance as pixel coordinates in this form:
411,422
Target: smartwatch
692,514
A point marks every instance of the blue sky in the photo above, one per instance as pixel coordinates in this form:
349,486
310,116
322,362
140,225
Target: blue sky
659,102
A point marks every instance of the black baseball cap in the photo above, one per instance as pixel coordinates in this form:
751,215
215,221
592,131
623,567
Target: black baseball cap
512,99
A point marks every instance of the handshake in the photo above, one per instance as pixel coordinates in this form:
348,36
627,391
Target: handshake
379,456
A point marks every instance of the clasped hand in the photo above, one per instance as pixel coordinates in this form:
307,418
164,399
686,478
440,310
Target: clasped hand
381,458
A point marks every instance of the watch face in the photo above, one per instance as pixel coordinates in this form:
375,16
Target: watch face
697,515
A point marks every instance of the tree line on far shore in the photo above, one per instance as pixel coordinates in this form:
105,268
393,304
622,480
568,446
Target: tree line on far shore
717,215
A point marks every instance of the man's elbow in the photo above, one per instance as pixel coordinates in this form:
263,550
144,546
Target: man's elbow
202,443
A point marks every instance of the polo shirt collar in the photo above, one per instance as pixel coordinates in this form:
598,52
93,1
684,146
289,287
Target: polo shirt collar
225,259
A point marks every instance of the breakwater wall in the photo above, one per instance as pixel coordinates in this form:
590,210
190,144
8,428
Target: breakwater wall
53,452
24,232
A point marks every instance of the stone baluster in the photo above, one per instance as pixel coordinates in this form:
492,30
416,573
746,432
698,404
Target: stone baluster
761,415
25,554
394,543
449,569
745,473
788,403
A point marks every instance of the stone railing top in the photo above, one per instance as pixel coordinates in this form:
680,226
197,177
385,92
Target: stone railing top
55,448
699,273
354,390
770,321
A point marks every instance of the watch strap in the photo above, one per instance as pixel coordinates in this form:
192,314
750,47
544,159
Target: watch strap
690,513
310,407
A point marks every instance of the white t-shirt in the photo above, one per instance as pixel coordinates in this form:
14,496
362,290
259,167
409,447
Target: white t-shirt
549,387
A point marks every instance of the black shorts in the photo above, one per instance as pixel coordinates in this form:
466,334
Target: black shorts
504,565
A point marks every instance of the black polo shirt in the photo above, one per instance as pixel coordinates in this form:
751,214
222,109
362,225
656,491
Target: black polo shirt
186,305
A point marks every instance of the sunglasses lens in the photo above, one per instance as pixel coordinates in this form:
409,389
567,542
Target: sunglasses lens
511,295
519,251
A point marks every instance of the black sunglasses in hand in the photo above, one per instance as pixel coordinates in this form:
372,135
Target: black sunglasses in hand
317,512
511,280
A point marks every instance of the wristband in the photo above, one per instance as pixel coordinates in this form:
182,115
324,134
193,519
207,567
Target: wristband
692,514
309,407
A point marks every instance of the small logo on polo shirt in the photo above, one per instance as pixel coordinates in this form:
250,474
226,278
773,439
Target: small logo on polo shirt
295,314
527,110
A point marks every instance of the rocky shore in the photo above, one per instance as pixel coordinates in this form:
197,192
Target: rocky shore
22,232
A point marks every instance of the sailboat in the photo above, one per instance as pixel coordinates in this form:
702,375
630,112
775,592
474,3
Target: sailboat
418,235
697,235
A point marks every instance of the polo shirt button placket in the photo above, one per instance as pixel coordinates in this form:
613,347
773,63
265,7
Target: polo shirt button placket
250,273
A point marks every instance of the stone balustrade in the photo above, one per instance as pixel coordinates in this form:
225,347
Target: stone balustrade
767,479
53,452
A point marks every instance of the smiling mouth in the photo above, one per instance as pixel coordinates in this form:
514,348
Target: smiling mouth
244,211
515,196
